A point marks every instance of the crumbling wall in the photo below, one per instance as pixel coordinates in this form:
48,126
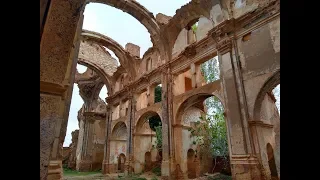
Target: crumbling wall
73,149
95,54
65,155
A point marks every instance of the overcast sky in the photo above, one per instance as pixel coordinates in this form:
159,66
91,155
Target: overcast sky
122,28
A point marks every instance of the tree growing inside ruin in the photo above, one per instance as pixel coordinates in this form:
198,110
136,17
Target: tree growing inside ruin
210,131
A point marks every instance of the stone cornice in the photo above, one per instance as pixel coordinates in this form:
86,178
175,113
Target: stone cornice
181,126
260,123
53,89
141,134
92,116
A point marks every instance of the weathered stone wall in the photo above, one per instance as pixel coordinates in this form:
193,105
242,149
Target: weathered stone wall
98,145
142,100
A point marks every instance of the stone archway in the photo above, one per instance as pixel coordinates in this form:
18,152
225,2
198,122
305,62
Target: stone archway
266,123
147,161
118,145
191,164
187,114
145,142
121,163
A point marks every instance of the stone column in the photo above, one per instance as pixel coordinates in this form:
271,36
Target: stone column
58,46
85,161
130,122
165,165
244,163
106,161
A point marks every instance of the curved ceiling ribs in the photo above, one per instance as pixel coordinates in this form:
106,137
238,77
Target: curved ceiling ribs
95,57
125,59
139,12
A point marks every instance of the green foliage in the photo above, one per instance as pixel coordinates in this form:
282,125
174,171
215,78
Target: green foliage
194,28
157,94
70,172
210,70
220,177
154,178
132,177
159,138
210,131
157,171
211,134
154,122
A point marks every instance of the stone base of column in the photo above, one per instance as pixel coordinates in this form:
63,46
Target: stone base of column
96,166
72,165
128,168
178,174
165,169
246,168
84,166
109,168
55,170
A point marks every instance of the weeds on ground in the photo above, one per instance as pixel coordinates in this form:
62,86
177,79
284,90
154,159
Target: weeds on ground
70,172
157,171
132,177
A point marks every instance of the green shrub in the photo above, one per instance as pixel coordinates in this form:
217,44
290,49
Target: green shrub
157,171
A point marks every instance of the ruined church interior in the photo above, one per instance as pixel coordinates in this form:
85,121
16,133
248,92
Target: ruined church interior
202,102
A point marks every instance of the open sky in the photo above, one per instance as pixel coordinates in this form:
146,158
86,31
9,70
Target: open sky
122,28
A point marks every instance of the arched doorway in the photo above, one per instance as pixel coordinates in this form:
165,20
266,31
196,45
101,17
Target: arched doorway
191,164
147,161
202,127
146,141
121,162
272,162
267,112
118,147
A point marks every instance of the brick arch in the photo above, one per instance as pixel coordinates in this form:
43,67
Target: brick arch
125,59
107,80
94,56
268,86
186,14
142,119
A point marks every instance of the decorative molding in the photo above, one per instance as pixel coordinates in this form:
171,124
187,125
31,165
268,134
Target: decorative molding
141,134
181,126
190,51
53,88
93,116
260,123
